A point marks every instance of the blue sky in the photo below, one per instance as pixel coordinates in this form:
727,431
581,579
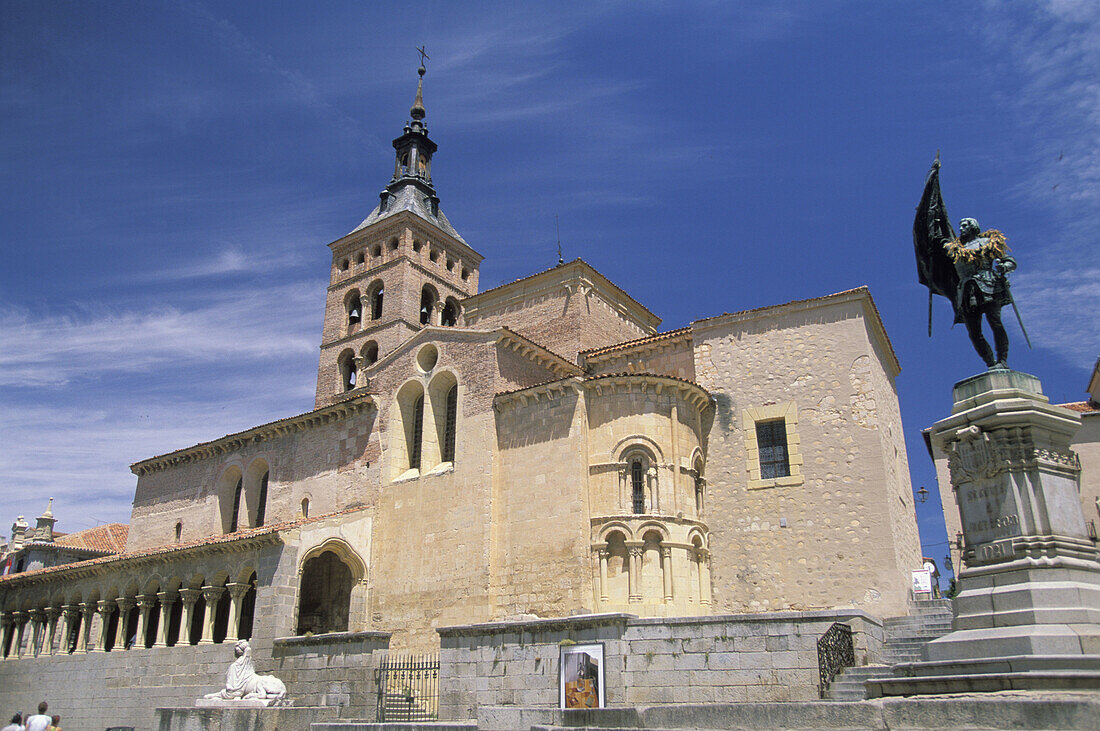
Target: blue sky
172,173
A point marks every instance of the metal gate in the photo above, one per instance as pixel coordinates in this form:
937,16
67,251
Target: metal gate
408,688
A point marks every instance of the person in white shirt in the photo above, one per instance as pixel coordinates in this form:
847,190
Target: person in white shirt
39,721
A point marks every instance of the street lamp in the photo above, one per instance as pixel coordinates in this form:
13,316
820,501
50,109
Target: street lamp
922,494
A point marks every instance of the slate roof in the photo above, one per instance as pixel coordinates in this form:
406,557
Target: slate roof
410,198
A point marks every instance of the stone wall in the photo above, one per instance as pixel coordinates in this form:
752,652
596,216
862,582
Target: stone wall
101,689
732,658
332,670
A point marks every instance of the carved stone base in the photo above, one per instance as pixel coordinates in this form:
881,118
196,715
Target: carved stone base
243,703
244,718
1027,614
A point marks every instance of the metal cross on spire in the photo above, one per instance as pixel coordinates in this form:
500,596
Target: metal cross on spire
423,57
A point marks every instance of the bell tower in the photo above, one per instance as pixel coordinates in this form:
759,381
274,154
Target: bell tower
402,269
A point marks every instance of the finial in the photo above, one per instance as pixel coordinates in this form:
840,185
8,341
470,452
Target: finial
49,510
417,112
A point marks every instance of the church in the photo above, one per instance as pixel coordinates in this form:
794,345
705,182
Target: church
540,449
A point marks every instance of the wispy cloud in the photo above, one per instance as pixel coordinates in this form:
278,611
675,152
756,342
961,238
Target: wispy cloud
53,350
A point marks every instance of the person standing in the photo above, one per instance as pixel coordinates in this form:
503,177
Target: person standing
40,721
16,723
55,724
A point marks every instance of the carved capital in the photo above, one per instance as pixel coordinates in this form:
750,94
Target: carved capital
124,603
666,552
237,590
70,611
52,613
146,601
190,596
105,606
212,594
167,598
36,615
603,552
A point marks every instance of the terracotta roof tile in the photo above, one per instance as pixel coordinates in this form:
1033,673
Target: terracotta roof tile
639,341
240,535
109,538
1084,407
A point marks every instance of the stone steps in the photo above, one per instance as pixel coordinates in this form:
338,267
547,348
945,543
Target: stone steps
904,639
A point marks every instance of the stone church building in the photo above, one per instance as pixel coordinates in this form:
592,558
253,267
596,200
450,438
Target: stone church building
539,449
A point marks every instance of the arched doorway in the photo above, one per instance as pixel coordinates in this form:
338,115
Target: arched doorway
324,603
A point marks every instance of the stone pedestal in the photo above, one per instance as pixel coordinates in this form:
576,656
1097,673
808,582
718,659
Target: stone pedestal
1027,612
244,718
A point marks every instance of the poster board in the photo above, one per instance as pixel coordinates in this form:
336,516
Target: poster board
581,676
922,582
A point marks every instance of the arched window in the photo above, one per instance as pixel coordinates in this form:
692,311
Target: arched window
428,299
179,531
637,484
324,598
348,375
449,318
417,433
236,505
699,485
449,424
355,310
305,507
261,502
375,298
370,353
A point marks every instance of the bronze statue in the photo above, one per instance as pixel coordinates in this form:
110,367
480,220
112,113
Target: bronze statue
970,269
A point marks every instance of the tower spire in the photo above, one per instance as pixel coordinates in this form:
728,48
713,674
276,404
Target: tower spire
417,111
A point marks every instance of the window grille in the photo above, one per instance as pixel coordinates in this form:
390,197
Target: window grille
637,482
261,506
449,429
236,505
771,442
417,433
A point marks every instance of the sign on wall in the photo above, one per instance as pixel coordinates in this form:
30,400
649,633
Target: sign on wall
581,676
922,582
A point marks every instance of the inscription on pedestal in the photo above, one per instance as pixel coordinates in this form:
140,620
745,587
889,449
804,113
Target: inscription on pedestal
988,513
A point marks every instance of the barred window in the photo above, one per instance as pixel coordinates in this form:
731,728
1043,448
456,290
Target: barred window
637,483
771,440
417,433
449,429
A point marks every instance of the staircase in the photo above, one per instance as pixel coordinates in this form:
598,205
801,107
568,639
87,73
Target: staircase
903,640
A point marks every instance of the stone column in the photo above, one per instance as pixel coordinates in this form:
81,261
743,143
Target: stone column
37,619
704,576
20,627
623,469
437,312
211,594
104,607
71,612
189,597
167,599
603,552
87,610
654,498
145,603
635,549
124,604
666,571
52,613
236,596
6,629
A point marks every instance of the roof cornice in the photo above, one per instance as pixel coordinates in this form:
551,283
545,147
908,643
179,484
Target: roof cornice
232,442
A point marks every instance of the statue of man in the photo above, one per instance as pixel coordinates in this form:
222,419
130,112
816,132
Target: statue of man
970,270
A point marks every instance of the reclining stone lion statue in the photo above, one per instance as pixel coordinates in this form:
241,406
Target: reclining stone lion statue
242,682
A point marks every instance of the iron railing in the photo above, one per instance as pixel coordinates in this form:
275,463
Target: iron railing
835,651
408,688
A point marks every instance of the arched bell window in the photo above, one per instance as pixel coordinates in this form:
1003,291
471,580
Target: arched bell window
261,501
449,317
234,521
637,484
428,299
374,297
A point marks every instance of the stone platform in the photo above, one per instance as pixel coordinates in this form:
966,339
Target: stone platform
283,718
986,711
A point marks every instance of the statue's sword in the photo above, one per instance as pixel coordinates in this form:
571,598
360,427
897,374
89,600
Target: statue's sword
1012,301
